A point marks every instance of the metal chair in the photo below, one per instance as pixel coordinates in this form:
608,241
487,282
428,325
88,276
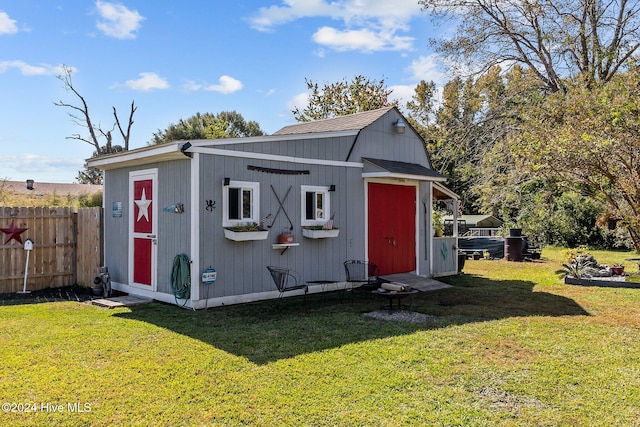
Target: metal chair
286,280
363,272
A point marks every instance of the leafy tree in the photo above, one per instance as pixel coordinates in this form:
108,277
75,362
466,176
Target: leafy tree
226,124
591,137
593,39
342,98
93,175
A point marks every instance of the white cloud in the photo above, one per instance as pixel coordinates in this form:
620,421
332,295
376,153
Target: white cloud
191,86
31,70
299,101
146,82
268,17
227,84
7,25
364,39
402,93
368,24
428,68
118,21
41,168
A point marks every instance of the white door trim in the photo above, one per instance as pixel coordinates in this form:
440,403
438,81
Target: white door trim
134,176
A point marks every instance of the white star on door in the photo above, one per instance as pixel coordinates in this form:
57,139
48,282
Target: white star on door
143,207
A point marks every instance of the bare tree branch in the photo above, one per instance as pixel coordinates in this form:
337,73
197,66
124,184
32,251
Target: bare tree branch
80,116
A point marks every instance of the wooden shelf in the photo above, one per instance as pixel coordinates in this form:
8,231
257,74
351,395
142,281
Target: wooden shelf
284,246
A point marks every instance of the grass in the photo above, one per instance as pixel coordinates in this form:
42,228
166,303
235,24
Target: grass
509,345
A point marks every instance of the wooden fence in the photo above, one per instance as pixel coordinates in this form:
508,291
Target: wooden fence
67,247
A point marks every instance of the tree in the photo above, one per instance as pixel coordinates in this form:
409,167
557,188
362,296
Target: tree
593,39
342,98
81,117
590,137
93,175
226,124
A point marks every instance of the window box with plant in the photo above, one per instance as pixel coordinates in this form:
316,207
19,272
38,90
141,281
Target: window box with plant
319,232
241,233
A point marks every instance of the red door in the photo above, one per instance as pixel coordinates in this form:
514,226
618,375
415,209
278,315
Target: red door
143,235
392,227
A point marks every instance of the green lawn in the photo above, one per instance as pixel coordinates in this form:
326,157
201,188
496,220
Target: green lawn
510,345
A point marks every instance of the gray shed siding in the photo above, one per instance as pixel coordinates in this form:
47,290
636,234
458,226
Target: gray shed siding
335,148
173,229
241,266
379,141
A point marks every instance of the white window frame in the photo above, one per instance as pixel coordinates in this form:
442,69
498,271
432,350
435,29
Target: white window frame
326,209
254,188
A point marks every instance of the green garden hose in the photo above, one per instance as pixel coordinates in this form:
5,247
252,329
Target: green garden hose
181,278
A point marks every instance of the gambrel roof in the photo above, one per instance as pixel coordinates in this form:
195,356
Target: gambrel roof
355,121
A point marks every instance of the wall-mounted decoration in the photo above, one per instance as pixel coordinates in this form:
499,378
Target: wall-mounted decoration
13,232
281,203
278,171
116,209
211,205
177,208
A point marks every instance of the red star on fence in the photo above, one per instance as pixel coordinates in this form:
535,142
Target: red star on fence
13,232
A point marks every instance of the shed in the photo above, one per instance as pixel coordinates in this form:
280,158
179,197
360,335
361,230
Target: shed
479,221
366,176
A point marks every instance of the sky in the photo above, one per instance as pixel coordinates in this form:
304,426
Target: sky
175,60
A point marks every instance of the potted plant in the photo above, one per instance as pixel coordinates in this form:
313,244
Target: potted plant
437,219
578,269
617,269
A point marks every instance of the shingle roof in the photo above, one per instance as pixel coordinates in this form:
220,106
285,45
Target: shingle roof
42,188
354,121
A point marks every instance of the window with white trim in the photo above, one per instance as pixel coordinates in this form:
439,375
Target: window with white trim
241,202
315,205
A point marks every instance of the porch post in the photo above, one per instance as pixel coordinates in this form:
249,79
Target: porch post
455,218
430,228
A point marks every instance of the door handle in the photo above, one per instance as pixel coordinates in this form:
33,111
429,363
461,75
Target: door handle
151,236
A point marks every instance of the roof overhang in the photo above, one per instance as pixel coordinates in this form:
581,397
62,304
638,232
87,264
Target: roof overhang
379,168
172,150
139,156
440,192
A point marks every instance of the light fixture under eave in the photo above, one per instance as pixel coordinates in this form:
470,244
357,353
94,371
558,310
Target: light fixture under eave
399,125
185,147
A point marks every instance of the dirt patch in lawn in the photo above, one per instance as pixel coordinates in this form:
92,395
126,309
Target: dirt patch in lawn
400,316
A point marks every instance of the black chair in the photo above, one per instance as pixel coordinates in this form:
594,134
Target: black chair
365,273
286,280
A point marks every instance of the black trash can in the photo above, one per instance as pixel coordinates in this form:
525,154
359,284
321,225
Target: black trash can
462,257
513,248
